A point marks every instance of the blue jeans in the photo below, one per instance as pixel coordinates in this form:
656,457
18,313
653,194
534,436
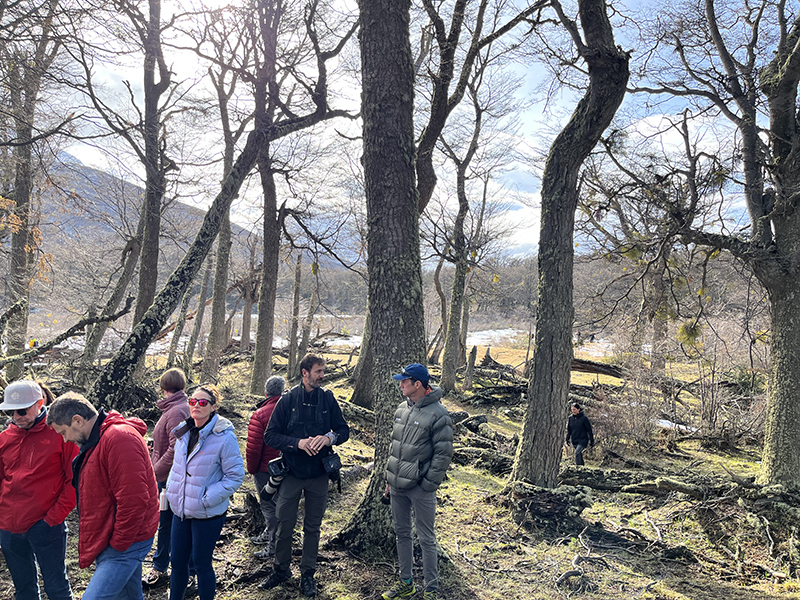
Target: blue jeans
45,545
118,574
194,539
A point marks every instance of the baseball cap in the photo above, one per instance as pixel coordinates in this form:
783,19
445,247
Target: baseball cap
415,370
21,394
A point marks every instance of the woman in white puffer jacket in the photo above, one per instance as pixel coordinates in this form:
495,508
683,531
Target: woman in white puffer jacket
206,471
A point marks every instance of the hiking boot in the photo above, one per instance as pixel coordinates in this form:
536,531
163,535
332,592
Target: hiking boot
307,585
265,554
429,595
191,587
274,580
153,577
263,538
401,589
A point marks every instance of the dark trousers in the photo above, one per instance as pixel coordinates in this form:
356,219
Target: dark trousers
40,544
579,448
164,538
316,496
194,539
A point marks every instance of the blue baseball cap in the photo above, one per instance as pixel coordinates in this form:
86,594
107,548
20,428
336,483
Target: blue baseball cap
415,371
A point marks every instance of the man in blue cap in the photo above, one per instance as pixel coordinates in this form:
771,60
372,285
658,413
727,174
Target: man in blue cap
422,447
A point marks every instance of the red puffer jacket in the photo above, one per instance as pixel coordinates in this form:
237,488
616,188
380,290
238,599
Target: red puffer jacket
257,452
117,493
35,477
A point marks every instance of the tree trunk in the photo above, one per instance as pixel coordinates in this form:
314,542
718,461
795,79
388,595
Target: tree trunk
130,257
217,340
363,393
20,275
539,452
437,350
188,354
464,325
397,325
451,346
179,325
262,361
247,317
313,305
155,178
780,459
298,272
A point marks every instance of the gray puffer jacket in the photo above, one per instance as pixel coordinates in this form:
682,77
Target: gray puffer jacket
422,444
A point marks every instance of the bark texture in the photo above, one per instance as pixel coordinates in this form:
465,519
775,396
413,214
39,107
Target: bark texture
539,452
397,328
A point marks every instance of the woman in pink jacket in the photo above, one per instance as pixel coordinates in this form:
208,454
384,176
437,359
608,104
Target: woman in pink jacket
175,409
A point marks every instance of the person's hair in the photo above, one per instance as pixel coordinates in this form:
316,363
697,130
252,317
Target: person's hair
576,405
66,406
310,361
47,393
274,386
173,380
211,390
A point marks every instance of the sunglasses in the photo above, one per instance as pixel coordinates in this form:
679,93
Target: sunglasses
200,401
20,412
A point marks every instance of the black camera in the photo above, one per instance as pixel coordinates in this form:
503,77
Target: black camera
277,470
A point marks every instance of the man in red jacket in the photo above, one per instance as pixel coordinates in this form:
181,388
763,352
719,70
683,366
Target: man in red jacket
36,495
258,456
117,494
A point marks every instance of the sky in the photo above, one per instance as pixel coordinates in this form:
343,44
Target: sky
519,184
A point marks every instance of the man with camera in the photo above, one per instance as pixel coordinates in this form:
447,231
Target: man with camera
422,448
306,423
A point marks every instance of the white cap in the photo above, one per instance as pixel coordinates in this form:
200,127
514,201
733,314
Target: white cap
21,394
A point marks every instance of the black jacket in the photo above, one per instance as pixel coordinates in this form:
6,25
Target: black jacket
293,420
579,430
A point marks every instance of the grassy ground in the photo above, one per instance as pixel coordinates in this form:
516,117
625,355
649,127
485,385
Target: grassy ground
682,552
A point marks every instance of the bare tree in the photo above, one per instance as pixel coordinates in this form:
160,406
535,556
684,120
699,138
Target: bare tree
539,451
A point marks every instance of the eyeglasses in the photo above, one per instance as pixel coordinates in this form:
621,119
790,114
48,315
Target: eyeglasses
20,412
200,401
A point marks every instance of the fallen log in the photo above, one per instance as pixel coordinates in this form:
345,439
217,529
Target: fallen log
483,458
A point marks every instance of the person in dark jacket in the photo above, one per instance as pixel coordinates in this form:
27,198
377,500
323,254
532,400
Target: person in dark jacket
36,494
579,432
117,494
258,455
422,448
306,423
174,408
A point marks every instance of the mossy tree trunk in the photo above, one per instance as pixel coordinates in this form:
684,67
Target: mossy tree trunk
397,326
539,451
